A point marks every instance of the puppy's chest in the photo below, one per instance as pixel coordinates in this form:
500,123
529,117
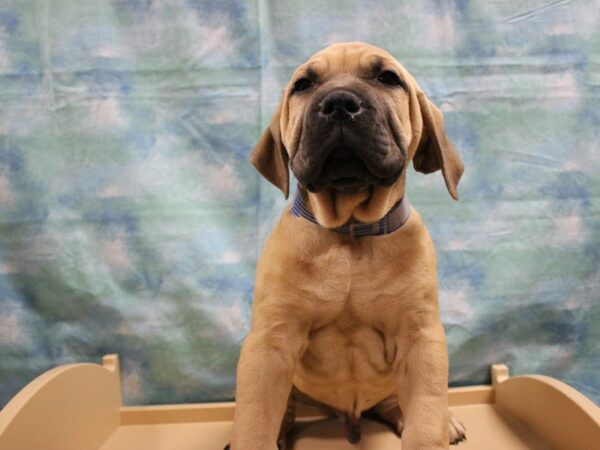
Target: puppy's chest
345,291
353,346
354,301
350,347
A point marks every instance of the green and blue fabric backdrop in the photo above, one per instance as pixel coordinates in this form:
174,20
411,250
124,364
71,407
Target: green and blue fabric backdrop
131,220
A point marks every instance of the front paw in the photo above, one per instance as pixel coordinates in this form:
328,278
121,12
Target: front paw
457,430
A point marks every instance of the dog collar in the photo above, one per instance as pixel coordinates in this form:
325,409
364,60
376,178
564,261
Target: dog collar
394,219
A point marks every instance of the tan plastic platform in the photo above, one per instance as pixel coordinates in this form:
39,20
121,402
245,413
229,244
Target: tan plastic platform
79,407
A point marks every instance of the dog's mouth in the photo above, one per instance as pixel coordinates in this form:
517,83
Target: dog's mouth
350,184
345,171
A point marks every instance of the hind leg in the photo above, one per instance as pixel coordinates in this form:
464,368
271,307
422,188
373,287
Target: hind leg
287,424
388,412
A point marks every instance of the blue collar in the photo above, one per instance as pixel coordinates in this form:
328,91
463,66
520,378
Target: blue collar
394,219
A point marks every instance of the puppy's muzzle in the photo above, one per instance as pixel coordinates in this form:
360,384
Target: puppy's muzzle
346,144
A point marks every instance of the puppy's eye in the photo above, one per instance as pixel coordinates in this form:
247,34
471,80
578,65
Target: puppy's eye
390,78
302,84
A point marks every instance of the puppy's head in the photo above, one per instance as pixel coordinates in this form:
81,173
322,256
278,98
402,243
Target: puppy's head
349,122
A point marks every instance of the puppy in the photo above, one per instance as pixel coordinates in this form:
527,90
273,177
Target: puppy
346,308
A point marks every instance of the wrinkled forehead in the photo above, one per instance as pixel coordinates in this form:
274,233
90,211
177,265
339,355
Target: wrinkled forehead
358,59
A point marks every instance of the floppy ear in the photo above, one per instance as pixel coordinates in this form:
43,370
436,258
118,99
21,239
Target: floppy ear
435,151
271,158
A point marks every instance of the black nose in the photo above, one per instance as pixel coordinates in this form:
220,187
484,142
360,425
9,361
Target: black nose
340,105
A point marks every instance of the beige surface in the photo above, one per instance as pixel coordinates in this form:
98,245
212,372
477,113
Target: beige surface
488,429
174,436
79,407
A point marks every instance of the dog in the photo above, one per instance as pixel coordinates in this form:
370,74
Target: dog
345,308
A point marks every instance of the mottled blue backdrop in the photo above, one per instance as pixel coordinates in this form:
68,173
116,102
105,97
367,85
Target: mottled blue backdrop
131,220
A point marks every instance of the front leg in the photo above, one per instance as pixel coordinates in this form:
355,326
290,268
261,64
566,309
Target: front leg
423,391
264,383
